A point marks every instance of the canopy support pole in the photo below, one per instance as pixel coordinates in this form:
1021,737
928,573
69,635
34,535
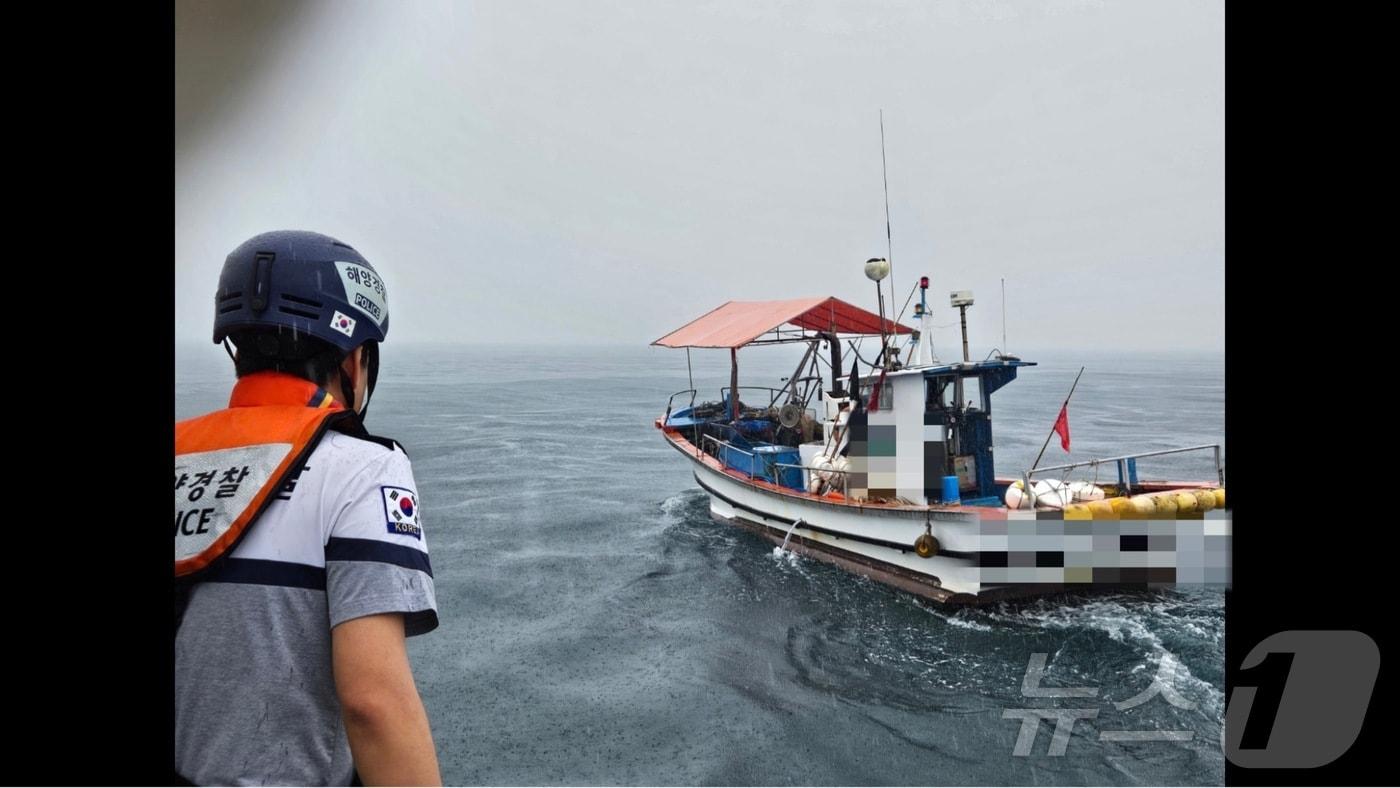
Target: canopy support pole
733,384
797,373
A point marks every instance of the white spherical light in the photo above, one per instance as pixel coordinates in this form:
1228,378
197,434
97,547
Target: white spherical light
877,268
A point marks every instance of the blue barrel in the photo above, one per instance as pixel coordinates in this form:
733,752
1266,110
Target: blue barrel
950,489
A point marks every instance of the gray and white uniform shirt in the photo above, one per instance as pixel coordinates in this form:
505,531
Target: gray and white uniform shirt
255,699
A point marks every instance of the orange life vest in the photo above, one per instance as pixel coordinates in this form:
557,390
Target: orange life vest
230,464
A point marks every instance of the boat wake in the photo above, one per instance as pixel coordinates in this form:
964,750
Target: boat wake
1166,634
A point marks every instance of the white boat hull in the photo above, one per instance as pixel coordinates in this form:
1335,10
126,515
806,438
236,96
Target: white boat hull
878,542
858,543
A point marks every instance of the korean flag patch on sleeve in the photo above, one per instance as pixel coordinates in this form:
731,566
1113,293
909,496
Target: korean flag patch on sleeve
401,511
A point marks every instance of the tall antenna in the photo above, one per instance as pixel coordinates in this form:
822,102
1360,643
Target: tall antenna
1004,351
889,245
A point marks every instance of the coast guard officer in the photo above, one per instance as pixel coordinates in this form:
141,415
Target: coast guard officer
301,563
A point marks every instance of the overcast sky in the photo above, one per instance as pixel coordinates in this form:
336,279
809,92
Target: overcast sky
601,172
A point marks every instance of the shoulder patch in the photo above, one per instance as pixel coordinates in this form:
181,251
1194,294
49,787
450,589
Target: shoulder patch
401,511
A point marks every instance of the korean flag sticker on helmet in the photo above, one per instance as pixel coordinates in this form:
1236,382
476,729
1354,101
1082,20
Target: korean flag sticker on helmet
401,510
343,323
365,291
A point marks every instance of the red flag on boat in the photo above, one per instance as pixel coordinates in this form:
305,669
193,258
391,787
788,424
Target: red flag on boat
1062,426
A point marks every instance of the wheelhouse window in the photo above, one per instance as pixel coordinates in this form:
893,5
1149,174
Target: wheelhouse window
972,392
886,393
948,393
939,393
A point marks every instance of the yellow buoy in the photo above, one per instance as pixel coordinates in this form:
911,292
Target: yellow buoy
1123,507
1220,498
1185,503
1077,511
1142,506
1165,504
1205,500
1103,510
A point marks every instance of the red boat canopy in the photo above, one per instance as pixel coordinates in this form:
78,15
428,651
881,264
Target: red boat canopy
738,323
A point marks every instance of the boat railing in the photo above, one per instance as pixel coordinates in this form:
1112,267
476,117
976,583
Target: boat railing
773,393
672,399
772,466
729,446
1127,465
845,478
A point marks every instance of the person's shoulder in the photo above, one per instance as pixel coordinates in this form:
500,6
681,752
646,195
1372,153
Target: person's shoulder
374,445
350,426
377,494
362,450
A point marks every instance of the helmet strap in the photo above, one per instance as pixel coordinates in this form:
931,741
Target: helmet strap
371,361
347,390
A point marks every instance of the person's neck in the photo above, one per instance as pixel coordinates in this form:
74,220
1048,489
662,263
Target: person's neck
280,388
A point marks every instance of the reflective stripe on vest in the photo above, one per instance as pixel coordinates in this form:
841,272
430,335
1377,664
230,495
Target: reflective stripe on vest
230,464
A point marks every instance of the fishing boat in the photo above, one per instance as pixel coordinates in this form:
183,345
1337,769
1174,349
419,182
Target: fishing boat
889,471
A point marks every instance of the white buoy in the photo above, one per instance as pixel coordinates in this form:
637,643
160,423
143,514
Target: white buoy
820,464
1086,491
1016,497
1051,493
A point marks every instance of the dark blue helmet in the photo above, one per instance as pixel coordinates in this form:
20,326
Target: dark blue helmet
303,282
